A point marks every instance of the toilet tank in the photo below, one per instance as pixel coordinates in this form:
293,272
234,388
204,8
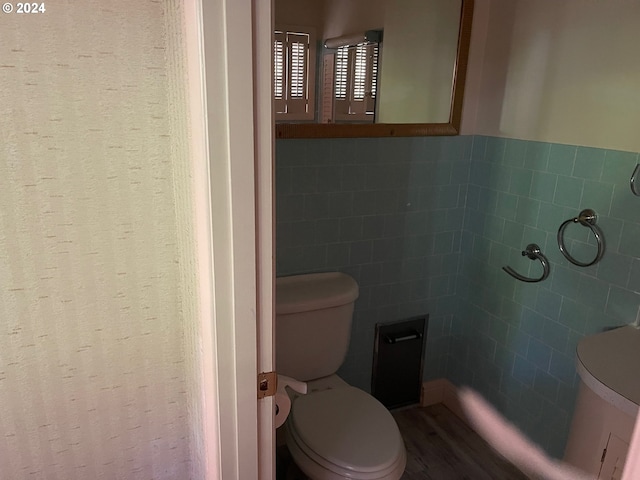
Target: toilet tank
313,323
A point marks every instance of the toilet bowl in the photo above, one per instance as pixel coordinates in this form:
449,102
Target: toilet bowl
335,431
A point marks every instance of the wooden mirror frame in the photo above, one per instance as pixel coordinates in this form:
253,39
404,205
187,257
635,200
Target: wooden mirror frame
339,130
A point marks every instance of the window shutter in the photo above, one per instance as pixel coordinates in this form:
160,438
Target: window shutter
279,72
294,66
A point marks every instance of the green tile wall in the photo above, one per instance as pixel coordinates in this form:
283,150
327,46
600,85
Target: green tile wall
515,342
425,225
389,212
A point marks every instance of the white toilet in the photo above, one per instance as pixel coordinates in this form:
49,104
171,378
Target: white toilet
335,431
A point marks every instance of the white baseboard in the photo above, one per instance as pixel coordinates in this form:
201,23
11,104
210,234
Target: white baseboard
441,391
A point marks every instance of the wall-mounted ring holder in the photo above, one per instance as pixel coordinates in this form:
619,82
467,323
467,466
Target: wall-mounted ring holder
586,218
534,253
632,183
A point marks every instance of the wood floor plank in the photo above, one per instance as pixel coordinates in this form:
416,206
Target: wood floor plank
439,446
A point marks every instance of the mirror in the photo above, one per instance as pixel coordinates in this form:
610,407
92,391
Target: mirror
438,112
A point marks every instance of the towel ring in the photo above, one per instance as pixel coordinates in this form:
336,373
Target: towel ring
533,252
586,218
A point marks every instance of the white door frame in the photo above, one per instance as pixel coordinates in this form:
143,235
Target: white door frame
231,125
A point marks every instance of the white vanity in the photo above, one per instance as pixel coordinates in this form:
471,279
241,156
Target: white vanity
608,364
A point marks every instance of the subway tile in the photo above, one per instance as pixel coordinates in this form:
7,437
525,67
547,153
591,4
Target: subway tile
443,174
327,231
562,367
360,252
283,181
386,201
303,234
623,304
532,323
340,204
527,211
365,203
548,303
597,196
537,156
316,206
568,191
304,179
498,331
565,281
454,219
353,177
373,226
443,243
289,208
487,200
515,152
370,274
634,276
394,224
531,401
614,268
501,178
629,244
512,234
539,354
618,166
555,335
495,149
550,217
447,196
319,152
460,172
543,186
479,147
593,292
624,204
539,237
546,385
561,159
329,179
291,152
350,229
574,314
588,163
506,206
520,182
493,228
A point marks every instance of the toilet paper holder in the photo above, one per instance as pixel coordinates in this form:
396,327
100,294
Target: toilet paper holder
282,400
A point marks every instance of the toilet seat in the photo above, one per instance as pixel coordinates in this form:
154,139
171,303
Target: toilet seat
345,433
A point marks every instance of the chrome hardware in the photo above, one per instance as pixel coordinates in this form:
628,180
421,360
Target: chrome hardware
414,335
632,181
586,218
534,253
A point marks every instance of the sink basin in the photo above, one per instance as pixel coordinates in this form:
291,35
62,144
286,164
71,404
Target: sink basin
608,363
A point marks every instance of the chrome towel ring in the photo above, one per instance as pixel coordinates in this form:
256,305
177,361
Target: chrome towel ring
533,252
586,218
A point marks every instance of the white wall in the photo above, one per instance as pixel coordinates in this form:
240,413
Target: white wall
565,72
92,365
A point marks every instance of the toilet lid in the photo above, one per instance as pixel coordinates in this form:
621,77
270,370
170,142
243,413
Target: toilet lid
348,428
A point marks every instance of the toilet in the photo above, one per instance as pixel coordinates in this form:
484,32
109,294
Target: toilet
335,431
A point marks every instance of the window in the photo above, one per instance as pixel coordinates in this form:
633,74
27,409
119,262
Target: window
355,84
294,73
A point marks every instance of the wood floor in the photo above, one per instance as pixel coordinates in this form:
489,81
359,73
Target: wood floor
439,446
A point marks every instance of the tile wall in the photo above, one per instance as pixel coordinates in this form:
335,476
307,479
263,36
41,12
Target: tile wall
513,341
425,225
389,212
